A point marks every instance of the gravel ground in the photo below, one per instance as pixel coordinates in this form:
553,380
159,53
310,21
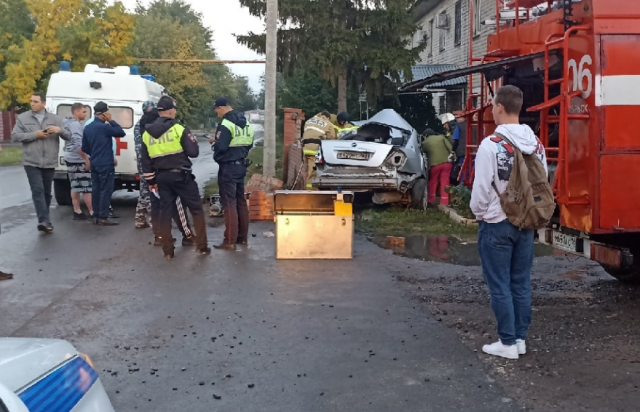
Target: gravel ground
584,343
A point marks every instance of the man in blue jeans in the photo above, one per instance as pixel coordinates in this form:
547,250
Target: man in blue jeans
505,251
97,142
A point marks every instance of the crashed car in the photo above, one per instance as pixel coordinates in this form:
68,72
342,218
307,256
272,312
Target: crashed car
48,375
383,156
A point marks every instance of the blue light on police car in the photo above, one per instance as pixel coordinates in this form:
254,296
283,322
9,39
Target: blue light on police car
65,66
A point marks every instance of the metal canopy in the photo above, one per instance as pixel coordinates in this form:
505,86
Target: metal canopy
497,65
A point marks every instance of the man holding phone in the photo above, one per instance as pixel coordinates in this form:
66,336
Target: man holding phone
40,132
97,142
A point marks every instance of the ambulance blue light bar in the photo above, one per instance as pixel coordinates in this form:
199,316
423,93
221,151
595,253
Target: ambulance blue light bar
148,77
65,66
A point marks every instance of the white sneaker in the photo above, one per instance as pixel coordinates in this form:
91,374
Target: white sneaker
504,351
522,346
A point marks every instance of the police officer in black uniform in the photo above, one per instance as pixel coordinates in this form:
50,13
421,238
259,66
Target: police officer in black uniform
166,149
231,145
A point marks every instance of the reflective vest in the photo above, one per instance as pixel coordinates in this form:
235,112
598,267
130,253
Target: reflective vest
239,136
167,144
342,131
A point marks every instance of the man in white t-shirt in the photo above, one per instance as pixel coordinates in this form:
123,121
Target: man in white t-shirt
506,252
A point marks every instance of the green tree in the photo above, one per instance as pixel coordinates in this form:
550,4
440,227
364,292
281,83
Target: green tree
173,30
46,31
358,45
246,100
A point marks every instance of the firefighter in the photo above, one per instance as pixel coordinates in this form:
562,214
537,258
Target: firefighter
319,127
167,147
231,145
342,125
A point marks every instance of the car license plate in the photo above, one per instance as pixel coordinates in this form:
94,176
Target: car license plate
565,242
353,155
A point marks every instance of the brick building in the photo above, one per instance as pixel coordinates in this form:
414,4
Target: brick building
7,121
445,25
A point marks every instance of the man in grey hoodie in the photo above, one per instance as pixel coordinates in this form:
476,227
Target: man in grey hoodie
78,163
40,132
506,252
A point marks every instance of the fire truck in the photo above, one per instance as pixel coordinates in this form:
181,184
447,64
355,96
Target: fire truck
578,64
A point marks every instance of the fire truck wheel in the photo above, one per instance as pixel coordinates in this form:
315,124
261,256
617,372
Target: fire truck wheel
62,192
627,275
419,195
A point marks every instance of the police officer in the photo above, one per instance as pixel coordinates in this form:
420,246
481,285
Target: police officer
231,145
167,147
319,127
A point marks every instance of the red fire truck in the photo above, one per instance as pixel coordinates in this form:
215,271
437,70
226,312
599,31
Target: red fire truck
578,64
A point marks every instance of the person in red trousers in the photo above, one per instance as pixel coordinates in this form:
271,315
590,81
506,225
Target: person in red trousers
439,151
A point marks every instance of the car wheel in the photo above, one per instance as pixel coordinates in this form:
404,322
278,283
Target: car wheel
419,195
62,191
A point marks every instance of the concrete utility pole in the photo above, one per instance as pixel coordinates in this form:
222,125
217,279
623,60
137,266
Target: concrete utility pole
269,160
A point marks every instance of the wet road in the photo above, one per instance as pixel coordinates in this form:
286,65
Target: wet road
259,334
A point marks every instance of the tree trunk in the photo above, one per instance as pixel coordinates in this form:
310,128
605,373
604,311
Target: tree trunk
342,93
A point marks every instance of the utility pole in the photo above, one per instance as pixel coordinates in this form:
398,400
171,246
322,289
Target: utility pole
269,160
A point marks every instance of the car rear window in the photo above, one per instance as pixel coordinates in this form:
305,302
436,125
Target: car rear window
123,116
64,110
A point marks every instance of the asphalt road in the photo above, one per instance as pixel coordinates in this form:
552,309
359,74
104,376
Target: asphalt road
259,334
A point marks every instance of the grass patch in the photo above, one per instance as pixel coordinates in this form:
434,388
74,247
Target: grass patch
211,188
11,156
397,221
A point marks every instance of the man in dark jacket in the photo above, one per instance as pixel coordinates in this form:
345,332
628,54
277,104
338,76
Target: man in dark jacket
97,142
165,152
231,145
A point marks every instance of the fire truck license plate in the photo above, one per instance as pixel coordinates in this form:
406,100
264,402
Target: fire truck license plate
565,242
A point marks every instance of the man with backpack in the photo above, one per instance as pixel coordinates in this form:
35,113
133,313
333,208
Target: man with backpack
511,198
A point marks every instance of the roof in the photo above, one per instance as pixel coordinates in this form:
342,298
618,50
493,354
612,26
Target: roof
113,86
425,71
387,117
443,77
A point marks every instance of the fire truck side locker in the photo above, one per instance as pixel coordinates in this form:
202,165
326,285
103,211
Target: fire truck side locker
314,224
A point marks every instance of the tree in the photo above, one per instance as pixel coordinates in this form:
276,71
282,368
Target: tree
173,30
78,30
246,99
360,45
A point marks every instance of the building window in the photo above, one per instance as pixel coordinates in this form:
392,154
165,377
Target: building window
442,38
442,104
431,38
477,19
458,23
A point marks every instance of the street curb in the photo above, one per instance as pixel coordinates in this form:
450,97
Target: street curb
456,217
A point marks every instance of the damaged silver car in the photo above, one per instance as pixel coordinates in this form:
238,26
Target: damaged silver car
383,156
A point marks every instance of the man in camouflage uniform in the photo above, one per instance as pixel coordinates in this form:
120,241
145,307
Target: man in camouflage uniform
148,205
143,209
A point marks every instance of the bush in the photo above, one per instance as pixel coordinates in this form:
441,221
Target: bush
459,199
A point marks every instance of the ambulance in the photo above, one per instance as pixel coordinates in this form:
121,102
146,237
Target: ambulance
124,90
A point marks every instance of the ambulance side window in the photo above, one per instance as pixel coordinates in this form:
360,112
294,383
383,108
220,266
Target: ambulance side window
64,110
123,116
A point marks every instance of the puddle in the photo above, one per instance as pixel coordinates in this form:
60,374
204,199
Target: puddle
457,250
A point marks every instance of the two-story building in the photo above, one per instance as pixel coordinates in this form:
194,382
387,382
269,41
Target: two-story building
445,25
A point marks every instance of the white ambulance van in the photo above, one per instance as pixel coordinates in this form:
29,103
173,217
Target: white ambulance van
124,90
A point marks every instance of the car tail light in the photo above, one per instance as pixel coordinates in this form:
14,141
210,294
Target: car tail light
319,158
396,159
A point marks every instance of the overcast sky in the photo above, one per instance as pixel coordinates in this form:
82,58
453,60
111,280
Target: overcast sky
225,19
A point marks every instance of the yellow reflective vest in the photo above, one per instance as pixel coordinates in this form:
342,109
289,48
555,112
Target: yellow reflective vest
239,136
167,144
